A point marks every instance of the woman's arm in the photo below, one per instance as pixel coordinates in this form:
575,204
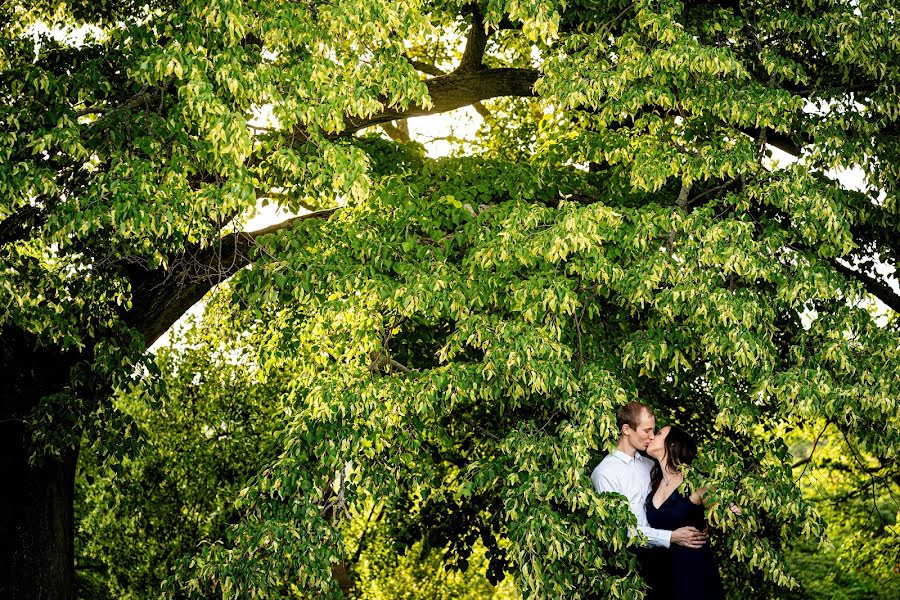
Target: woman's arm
699,497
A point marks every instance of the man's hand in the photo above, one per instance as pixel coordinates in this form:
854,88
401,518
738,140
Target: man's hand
689,537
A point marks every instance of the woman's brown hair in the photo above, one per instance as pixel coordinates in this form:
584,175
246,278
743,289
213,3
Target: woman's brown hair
681,449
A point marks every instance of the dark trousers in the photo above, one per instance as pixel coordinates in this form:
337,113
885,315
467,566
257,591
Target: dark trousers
651,562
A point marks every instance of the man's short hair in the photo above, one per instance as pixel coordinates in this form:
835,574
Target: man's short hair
630,414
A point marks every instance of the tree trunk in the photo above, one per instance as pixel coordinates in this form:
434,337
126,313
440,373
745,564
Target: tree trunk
36,522
36,501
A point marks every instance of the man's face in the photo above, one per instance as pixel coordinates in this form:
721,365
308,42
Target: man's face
641,436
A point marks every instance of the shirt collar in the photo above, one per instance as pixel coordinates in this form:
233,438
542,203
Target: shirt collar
622,456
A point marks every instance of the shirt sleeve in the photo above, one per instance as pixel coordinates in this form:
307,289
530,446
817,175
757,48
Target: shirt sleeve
655,537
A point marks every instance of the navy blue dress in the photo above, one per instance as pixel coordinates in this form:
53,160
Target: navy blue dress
685,572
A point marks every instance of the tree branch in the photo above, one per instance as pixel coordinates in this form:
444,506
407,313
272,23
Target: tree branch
476,42
382,362
162,296
458,89
482,110
806,461
279,197
144,96
776,140
433,70
398,132
683,196
878,289
425,67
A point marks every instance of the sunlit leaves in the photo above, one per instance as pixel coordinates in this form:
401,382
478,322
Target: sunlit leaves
457,335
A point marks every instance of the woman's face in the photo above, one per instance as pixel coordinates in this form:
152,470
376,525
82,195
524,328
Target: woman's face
657,447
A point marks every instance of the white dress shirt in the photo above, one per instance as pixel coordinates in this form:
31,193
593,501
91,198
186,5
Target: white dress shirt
630,476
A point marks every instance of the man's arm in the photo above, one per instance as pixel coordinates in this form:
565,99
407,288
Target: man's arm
602,483
689,537
655,537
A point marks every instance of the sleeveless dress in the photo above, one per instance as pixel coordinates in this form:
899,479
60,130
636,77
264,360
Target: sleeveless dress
685,572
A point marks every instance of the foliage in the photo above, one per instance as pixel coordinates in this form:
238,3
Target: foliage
822,574
498,335
454,338
384,571
205,426
857,495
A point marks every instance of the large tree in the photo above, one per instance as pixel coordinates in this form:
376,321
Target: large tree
620,231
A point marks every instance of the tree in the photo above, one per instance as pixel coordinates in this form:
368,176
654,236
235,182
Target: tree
857,495
203,427
623,232
207,423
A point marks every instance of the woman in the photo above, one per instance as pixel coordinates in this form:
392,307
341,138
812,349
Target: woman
688,573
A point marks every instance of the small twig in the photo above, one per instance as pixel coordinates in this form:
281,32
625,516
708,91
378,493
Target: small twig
91,111
478,428
806,461
362,538
696,199
858,459
578,321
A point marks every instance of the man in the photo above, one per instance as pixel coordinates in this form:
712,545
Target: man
626,472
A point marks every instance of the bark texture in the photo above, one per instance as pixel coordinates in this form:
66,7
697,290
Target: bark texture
36,500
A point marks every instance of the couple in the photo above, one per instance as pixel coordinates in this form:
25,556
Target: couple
677,562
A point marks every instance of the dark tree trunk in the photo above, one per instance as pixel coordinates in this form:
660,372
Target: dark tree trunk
36,501
36,526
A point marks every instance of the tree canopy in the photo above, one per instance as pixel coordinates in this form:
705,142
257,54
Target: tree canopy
450,337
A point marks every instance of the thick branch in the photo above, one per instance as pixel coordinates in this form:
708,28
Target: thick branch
433,70
475,45
456,90
683,196
878,289
162,296
398,132
776,140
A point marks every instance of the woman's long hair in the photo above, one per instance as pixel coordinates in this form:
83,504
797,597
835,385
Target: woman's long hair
681,449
